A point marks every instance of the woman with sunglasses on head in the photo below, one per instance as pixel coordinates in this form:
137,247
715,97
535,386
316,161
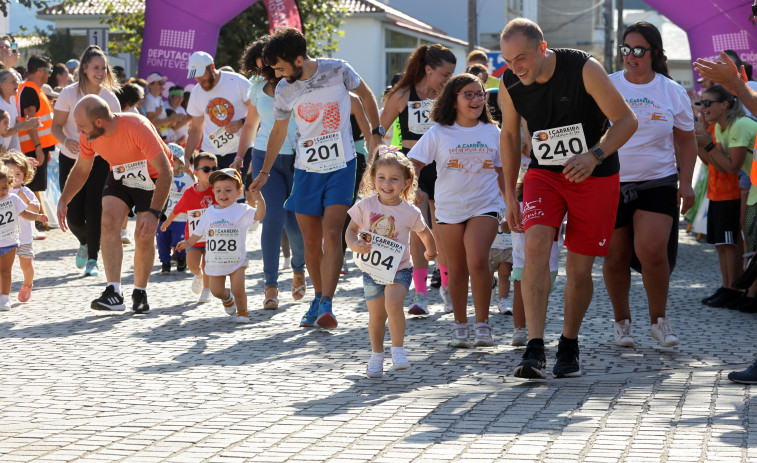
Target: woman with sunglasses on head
410,100
280,180
464,143
726,155
94,77
651,190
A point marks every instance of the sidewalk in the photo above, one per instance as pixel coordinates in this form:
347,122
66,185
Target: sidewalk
183,383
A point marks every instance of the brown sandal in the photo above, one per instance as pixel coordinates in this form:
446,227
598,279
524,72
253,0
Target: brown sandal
271,303
299,286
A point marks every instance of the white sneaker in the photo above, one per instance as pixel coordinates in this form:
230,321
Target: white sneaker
623,336
205,296
419,305
460,335
375,366
520,337
399,358
504,307
482,335
5,303
287,262
230,305
663,333
444,293
241,319
197,284
125,237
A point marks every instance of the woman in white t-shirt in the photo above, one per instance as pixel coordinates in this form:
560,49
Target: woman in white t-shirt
649,177
94,77
8,91
464,142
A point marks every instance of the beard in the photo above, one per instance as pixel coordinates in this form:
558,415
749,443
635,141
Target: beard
96,132
296,74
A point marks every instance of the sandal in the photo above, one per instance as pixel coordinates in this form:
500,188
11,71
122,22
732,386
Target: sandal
298,291
271,303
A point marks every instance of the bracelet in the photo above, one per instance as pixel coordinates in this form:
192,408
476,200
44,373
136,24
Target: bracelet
238,157
37,145
709,147
266,173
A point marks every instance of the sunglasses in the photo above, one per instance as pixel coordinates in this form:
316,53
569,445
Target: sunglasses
207,169
470,94
48,70
706,103
638,52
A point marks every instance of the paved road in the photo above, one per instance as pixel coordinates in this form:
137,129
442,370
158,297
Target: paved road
183,383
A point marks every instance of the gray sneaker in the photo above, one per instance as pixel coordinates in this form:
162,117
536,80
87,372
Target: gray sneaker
483,335
444,293
520,337
460,335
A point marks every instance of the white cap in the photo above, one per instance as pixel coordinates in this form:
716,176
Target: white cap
197,64
156,77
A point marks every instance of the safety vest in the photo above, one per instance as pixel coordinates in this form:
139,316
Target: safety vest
45,115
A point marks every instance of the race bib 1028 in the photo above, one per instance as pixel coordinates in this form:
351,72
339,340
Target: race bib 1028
382,261
553,147
134,175
322,154
223,247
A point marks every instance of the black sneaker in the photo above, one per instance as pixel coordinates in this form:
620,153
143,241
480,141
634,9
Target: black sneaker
738,302
165,268
109,300
716,294
181,264
728,296
748,307
533,364
436,278
748,376
567,364
139,301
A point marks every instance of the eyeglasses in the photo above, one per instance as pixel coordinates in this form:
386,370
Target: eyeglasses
706,103
470,94
207,169
638,52
48,70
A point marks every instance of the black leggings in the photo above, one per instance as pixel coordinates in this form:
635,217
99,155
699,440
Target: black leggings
84,216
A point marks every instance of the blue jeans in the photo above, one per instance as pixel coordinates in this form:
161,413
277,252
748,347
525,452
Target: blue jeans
275,192
167,240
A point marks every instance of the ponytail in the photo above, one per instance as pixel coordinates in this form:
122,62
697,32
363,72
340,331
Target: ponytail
415,69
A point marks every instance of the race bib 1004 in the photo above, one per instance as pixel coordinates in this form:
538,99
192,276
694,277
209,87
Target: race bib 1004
418,120
553,147
8,221
134,175
382,261
223,142
322,154
223,247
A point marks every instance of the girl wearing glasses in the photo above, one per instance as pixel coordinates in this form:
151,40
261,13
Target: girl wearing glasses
651,190
85,209
464,143
410,101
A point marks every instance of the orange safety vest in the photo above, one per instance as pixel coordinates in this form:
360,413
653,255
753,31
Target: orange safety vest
45,115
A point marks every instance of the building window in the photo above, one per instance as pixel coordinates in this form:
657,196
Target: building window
398,47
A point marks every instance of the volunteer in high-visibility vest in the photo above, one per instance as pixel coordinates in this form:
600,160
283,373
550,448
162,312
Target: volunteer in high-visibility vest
32,102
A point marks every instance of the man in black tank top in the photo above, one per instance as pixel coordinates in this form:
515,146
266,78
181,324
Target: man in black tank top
566,99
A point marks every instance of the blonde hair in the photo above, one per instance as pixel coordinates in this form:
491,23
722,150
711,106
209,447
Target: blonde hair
385,155
19,160
7,175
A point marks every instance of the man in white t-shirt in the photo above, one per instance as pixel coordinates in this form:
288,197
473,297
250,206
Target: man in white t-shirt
218,107
316,93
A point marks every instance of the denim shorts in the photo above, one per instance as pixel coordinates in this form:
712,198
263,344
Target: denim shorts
374,290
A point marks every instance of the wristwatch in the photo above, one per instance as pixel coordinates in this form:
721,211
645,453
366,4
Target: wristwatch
380,130
155,212
598,153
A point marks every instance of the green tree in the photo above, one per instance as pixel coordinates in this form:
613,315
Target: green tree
126,29
59,46
26,3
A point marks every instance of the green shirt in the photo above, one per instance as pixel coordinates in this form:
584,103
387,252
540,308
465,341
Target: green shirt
740,134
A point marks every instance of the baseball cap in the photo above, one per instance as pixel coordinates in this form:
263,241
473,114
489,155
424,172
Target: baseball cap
177,151
48,90
156,77
197,64
229,173
72,64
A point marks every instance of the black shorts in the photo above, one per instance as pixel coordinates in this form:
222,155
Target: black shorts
723,221
135,198
662,200
39,182
426,177
492,214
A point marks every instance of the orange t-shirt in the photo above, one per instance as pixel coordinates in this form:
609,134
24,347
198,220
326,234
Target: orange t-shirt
135,139
721,186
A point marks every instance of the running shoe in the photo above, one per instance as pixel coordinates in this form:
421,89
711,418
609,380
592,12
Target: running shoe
748,376
230,305
504,307
533,364
567,364
91,269
5,304
308,320
419,306
165,268
483,335
436,278
25,293
715,295
375,367
181,264
242,318
460,335
139,301
663,333
81,257
622,333
197,284
125,237
520,337
399,358
205,296
444,293
326,318
109,300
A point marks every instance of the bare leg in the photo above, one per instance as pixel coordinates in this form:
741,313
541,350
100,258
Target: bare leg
535,282
111,248
452,236
333,256
579,289
394,297
616,270
27,267
478,237
503,271
312,237
6,268
519,312
651,236
377,323
236,281
144,253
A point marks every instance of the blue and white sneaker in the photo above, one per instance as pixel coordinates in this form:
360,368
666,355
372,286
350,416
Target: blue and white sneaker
91,270
81,257
308,320
326,318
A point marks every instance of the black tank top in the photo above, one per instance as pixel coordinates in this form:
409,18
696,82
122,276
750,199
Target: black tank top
357,134
562,101
403,117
